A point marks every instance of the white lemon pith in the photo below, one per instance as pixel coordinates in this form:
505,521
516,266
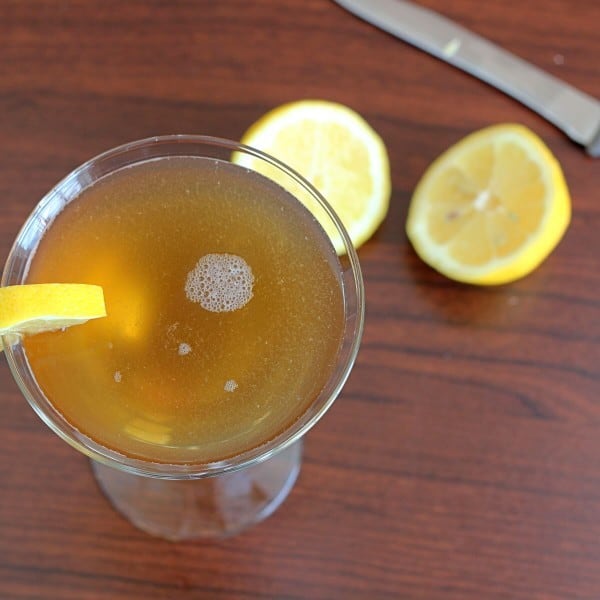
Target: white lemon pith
491,208
337,151
29,309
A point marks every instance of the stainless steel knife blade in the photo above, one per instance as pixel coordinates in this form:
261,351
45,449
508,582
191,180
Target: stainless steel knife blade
573,111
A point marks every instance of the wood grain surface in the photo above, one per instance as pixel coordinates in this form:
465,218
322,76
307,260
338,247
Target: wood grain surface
462,460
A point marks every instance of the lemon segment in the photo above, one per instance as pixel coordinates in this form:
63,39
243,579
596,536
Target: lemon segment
337,151
29,309
491,208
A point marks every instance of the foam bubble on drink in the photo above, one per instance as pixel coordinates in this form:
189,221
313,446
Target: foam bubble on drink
230,385
184,349
220,283
118,377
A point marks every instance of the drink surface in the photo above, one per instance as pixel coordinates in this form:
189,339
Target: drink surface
225,311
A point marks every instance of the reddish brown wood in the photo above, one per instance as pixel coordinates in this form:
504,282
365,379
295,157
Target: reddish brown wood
462,460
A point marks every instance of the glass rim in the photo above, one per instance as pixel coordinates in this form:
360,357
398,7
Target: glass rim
63,428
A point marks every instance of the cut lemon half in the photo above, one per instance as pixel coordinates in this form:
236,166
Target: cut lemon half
491,208
337,151
28,309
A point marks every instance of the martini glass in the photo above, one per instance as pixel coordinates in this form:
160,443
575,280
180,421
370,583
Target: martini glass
191,500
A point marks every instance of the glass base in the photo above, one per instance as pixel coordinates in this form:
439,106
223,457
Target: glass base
213,507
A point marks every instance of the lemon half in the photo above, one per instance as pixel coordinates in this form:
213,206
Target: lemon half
491,208
337,151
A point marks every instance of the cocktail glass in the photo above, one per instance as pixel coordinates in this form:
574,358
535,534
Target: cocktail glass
195,500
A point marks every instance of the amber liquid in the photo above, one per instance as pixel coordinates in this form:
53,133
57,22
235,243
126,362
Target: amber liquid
162,378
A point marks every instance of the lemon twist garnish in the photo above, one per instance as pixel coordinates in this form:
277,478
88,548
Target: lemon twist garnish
337,151
29,309
491,208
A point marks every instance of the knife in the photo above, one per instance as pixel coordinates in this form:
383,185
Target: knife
571,110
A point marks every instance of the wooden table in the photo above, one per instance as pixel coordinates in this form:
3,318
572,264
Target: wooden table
462,460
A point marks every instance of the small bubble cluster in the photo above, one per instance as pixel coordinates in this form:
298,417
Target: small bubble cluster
184,349
220,283
230,385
